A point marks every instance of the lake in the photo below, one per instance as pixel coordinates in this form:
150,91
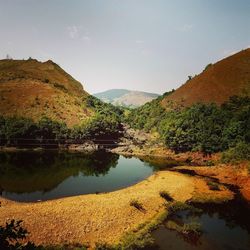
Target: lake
43,175
223,227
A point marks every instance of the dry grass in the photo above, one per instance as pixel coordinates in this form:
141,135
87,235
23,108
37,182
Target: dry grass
106,218
229,174
216,84
33,89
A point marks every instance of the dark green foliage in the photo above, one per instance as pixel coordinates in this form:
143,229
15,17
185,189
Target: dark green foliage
198,128
12,235
103,108
149,115
23,131
207,128
47,128
105,124
241,151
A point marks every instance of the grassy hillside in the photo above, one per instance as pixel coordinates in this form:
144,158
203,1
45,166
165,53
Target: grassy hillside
219,81
126,98
43,105
33,89
209,113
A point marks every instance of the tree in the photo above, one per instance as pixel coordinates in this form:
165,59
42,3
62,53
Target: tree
8,57
11,236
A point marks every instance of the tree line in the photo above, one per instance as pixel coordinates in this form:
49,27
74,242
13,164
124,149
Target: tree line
207,128
104,124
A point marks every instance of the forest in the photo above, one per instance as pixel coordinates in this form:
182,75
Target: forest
207,128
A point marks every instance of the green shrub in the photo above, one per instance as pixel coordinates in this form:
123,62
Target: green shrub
207,128
191,228
240,152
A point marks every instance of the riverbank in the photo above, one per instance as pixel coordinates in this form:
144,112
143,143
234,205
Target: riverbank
160,151
237,175
106,217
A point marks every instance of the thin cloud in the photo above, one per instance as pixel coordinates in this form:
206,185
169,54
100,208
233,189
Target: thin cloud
86,38
139,41
186,28
146,52
77,32
73,31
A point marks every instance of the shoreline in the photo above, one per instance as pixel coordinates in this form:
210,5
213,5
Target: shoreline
107,217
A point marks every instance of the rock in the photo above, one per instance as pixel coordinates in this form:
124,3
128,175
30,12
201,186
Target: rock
87,147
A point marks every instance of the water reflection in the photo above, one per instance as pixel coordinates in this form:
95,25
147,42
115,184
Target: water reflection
30,176
225,226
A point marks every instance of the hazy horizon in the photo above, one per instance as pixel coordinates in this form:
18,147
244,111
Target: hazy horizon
150,46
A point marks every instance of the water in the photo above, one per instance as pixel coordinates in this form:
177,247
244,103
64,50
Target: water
223,227
32,176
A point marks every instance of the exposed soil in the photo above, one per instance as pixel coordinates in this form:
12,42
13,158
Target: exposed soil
237,175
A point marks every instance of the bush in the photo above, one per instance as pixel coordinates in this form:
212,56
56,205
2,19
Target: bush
165,195
206,128
191,228
236,154
11,236
213,186
136,204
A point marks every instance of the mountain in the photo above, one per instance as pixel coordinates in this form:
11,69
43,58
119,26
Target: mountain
126,98
33,89
219,81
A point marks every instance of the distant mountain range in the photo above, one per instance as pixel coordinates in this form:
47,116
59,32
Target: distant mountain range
125,97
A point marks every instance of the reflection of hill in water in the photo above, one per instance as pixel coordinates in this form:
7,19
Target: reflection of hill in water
42,171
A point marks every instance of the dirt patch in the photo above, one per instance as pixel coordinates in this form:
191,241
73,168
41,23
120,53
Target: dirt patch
229,174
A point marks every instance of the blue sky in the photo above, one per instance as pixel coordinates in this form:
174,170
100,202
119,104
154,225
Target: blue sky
149,45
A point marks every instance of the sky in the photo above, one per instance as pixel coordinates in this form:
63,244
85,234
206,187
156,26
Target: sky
147,45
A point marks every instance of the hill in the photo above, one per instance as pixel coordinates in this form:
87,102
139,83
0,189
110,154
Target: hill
126,98
209,113
33,89
219,81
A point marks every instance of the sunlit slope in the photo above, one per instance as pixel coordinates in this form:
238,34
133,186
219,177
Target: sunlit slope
219,81
34,89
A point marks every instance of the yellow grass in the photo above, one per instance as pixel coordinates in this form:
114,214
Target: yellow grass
107,217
